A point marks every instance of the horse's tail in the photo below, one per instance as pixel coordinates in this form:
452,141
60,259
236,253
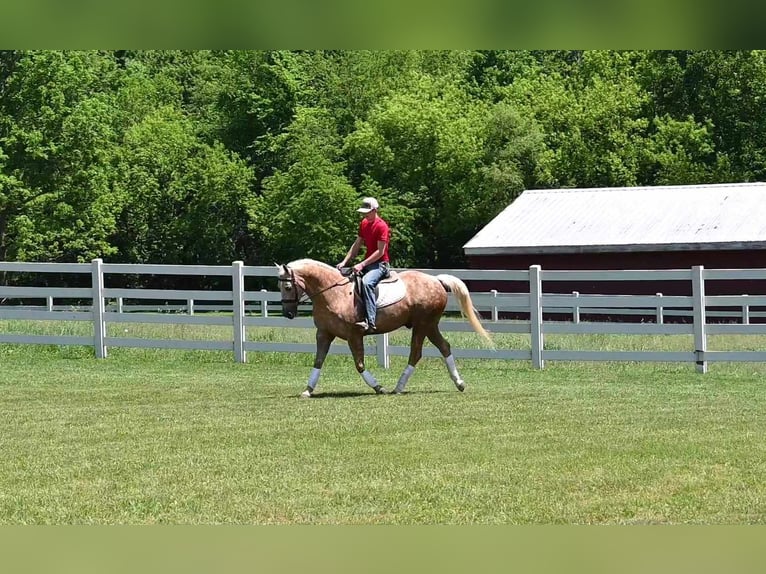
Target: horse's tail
459,289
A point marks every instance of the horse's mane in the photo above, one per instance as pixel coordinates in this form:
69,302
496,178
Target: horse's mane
301,264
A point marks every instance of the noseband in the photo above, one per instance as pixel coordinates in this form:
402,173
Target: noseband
296,300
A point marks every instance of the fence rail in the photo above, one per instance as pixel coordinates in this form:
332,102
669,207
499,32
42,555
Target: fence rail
239,309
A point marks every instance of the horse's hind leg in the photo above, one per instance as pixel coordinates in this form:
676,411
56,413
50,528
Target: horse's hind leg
356,344
435,336
416,352
324,340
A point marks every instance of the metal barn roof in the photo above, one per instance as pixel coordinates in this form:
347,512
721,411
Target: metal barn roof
660,218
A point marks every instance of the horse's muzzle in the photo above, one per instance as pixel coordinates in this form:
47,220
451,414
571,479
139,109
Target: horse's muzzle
288,314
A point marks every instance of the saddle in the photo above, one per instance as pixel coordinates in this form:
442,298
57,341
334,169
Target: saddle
389,291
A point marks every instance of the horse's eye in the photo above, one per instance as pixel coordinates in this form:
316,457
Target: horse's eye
288,286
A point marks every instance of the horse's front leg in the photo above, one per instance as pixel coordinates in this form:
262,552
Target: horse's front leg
356,344
324,340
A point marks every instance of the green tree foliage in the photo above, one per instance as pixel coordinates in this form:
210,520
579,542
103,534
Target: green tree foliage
590,109
57,141
307,209
254,103
723,91
183,200
423,144
682,151
455,162
349,84
208,156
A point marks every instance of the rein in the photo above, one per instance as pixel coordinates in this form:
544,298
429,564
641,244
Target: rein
298,300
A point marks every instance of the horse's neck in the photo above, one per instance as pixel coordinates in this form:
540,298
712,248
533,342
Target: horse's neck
318,278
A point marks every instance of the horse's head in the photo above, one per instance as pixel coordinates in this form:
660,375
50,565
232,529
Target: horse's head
291,288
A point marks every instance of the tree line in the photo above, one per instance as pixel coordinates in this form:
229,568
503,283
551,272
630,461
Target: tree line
205,157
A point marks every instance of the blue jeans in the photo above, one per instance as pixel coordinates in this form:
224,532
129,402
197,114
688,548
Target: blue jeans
373,274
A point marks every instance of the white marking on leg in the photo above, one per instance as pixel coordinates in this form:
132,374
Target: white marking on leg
454,375
369,379
408,370
451,367
314,378
311,385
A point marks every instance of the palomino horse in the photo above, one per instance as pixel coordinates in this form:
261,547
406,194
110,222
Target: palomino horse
334,314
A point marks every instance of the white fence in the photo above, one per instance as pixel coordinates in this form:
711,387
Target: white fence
251,308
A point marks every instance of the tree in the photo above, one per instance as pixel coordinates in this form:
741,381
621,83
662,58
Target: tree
308,208
452,161
184,201
57,140
591,112
682,152
255,102
722,90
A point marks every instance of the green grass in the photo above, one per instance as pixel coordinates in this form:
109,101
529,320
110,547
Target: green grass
189,437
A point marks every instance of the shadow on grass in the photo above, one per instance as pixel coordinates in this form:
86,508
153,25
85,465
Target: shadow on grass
355,394
343,395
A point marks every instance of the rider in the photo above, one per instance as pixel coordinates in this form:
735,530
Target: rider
374,233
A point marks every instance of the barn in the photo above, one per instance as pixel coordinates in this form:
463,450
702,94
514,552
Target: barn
720,226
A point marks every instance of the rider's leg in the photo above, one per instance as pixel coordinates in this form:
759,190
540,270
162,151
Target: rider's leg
370,280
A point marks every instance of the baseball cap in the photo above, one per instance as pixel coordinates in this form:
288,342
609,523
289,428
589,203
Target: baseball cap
368,204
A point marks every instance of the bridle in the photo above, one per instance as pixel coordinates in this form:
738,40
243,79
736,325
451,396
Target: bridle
298,299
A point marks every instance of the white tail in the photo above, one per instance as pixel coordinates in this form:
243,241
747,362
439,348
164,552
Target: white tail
460,291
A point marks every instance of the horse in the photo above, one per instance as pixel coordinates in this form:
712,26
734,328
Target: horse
420,306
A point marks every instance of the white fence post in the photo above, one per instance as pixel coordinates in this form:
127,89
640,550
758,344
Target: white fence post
190,306
49,300
576,307
494,306
745,311
238,310
119,304
536,316
264,303
97,308
381,346
660,311
700,337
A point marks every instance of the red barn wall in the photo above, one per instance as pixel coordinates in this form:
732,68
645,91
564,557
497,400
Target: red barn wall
628,260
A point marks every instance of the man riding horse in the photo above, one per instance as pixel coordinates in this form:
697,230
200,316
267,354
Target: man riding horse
374,233
415,300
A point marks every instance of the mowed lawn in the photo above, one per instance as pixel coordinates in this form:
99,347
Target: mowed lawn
184,437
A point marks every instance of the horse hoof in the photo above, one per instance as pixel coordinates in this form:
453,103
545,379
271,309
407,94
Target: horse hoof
460,386
306,394
380,390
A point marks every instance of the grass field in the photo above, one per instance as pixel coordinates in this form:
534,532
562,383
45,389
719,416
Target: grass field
190,437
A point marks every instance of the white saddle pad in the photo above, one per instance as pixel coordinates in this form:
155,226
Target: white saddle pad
390,293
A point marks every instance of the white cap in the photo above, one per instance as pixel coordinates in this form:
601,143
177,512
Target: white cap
368,204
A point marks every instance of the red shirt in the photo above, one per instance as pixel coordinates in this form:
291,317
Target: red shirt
373,231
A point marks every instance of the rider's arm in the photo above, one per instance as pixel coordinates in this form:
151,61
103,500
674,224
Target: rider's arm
352,252
375,255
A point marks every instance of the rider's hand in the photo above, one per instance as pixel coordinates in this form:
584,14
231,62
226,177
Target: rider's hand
340,265
358,268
